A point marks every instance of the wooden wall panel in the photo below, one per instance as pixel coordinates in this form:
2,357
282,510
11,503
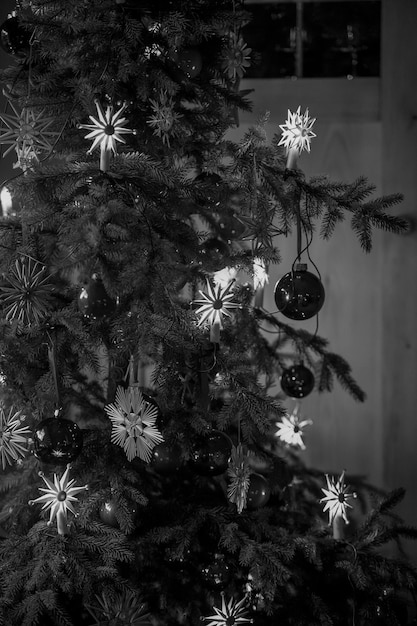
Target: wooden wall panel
346,434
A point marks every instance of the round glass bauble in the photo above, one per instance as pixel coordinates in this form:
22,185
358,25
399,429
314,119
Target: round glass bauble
107,513
166,459
258,493
57,440
190,61
231,227
299,295
94,302
216,574
297,381
211,457
13,38
213,254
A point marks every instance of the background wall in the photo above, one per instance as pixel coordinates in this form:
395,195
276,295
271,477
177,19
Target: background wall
364,127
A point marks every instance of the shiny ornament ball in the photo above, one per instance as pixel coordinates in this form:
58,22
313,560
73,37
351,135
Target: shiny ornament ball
94,302
166,459
299,295
231,227
258,493
213,254
190,61
108,513
216,574
297,381
13,38
212,456
57,440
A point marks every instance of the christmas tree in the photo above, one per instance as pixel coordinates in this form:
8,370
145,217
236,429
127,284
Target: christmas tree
150,472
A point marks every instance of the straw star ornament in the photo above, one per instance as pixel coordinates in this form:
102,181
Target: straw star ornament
336,498
239,472
58,498
231,612
13,436
28,132
27,296
290,430
106,131
214,306
133,420
127,609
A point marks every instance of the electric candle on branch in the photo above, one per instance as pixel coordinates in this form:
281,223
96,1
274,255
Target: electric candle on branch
106,131
296,135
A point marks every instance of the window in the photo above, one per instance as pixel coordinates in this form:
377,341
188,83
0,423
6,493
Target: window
314,39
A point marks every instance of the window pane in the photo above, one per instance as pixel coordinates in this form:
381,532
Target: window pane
271,35
341,38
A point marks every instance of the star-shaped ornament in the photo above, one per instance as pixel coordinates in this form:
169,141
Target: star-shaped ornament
232,612
127,609
296,134
134,420
337,496
236,59
28,132
214,306
164,118
13,436
290,430
58,498
260,229
106,131
27,297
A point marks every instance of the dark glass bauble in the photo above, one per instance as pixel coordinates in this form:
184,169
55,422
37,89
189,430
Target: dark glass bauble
57,440
13,38
297,381
213,254
216,574
258,493
107,513
299,295
212,456
190,61
231,227
94,302
166,459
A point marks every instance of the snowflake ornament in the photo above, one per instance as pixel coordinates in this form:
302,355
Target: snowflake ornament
127,609
58,498
133,420
296,134
106,130
27,132
236,58
336,498
290,430
164,118
239,472
28,296
13,436
232,612
214,305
